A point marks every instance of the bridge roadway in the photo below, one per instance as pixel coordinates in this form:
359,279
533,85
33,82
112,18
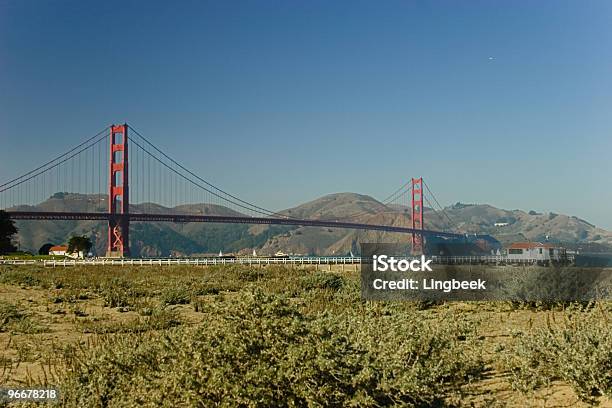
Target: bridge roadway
182,218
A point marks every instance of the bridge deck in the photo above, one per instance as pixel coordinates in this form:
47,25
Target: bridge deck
181,218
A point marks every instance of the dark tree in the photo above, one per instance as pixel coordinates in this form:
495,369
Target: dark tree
7,231
79,244
44,250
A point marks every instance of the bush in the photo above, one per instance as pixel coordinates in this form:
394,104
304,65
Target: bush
119,293
260,350
155,319
577,349
9,314
19,277
117,297
250,274
14,319
323,280
175,295
550,288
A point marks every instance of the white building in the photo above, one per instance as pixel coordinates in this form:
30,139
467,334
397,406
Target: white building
535,251
58,250
62,250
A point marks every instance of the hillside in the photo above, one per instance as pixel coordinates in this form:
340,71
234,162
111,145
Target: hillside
165,239
527,225
147,239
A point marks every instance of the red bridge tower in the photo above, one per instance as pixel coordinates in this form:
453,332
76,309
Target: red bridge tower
118,194
417,215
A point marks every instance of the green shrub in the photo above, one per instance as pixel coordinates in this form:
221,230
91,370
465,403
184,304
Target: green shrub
155,319
250,274
175,295
20,277
9,314
14,319
322,280
261,350
120,293
577,349
117,297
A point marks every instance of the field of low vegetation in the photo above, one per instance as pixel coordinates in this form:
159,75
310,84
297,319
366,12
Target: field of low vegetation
232,336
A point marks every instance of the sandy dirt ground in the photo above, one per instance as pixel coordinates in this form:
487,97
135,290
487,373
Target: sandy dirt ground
27,358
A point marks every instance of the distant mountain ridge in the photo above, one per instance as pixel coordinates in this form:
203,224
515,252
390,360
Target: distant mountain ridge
165,239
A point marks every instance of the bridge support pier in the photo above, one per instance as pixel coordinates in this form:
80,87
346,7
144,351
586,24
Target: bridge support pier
118,235
118,194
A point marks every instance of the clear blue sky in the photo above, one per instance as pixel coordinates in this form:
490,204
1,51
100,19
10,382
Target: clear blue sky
282,102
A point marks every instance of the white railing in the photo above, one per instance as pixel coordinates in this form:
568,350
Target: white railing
469,259
307,260
19,261
207,261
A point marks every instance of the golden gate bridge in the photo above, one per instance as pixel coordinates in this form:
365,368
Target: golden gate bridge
123,178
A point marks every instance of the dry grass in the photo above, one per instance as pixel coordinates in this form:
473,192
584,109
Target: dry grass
279,336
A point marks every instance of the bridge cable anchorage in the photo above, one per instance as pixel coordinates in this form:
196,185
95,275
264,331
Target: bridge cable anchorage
254,208
44,170
103,131
443,211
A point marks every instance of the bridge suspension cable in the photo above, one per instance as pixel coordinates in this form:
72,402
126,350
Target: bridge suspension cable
436,213
72,171
392,198
156,180
197,184
164,191
75,171
102,132
212,189
452,223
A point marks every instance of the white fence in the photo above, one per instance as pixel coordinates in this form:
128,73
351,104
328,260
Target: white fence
490,259
188,261
446,260
20,262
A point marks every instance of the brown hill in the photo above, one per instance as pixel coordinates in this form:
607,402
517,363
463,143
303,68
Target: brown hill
163,239
147,239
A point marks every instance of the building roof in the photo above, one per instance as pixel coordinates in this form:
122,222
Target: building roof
58,248
530,245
